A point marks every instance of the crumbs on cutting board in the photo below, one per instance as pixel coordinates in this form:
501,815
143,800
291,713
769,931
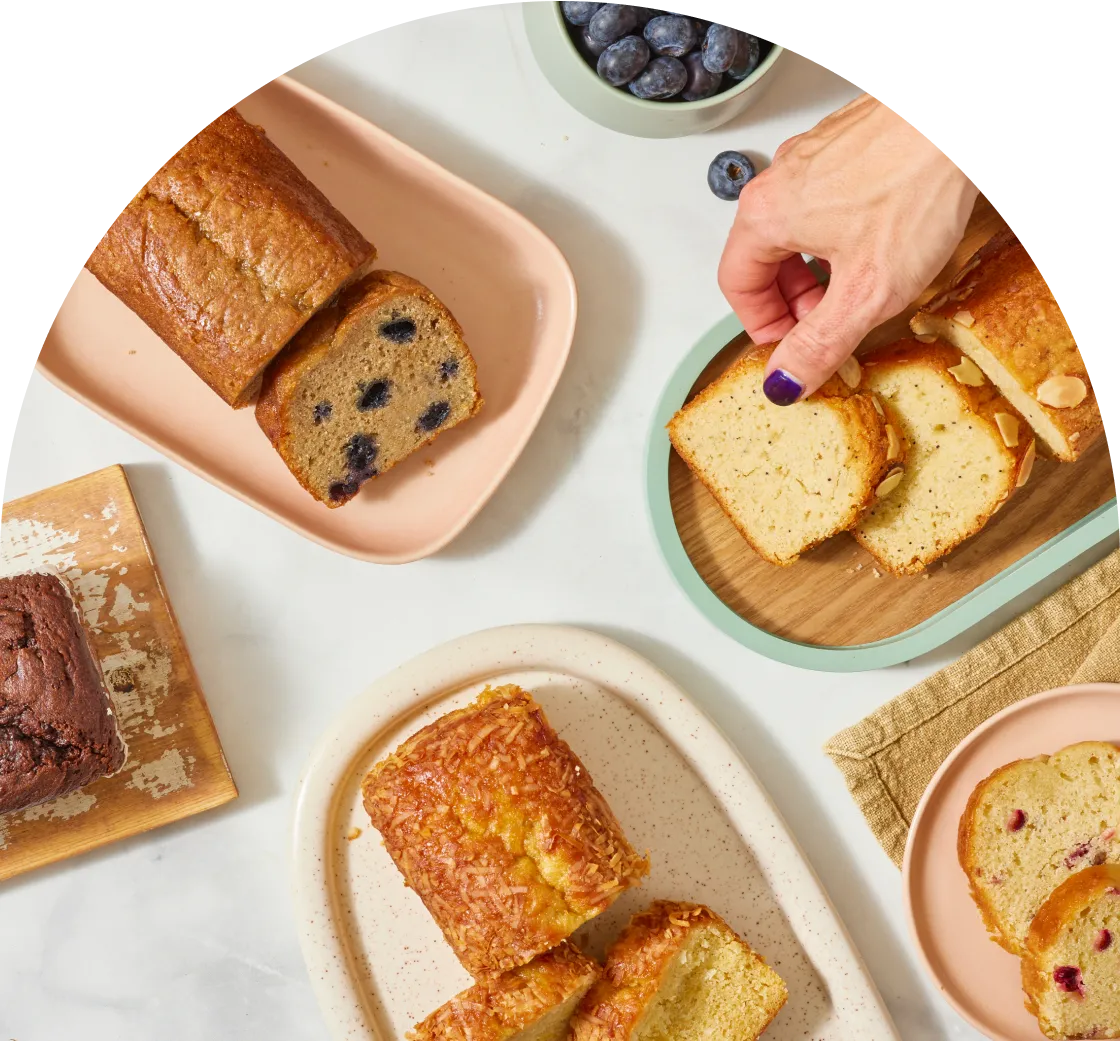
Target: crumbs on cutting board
354,833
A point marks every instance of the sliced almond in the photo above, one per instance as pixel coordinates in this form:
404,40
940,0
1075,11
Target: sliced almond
1075,436
850,372
894,445
889,483
926,338
1008,429
1061,391
961,294
937,302
964,318
967,372
1026,466
878,406
971,266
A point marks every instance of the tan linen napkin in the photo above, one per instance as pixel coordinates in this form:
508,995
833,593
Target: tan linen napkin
1073,636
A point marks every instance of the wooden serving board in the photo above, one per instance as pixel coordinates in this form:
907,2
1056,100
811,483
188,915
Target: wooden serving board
91,531
834,595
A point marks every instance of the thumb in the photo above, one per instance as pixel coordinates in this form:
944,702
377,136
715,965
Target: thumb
812,351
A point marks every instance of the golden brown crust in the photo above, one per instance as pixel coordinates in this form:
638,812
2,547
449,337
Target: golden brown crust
309,347
1016,318
495,823
636,963
984,401
868,424
499,1009
226,252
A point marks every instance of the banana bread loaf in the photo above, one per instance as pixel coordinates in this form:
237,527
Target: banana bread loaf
226,252
57,727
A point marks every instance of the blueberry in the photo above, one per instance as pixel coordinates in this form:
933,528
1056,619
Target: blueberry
661,78
721,47
400,330
435,415
374,395
611,22
448,369
622,61
728,175
343,491
323,412
673,35
579,13
360,452
701,83
589,47
747,57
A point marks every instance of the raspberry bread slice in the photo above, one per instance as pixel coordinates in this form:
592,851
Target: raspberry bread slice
1071,971
369,380
532,1003
1001,313
787,477
679,972
1032,824
967,451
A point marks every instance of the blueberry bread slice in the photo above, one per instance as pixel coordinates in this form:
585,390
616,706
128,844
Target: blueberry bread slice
1071,970
1001,313
787,477
1032,824
368,381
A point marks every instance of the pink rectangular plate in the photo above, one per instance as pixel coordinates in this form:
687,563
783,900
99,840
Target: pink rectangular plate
504,280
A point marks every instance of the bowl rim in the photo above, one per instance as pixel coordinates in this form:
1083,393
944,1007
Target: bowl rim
626,97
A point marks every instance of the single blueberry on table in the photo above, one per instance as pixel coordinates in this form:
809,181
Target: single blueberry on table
435,415
611,22
361,452
728,175
747,57
701,83
721,46
578,13
400,330
323,412
448,369
662,78
671,35
622,61
374,395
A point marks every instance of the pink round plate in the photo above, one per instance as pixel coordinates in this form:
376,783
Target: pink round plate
978,978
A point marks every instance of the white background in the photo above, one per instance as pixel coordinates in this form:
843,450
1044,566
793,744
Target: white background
188,933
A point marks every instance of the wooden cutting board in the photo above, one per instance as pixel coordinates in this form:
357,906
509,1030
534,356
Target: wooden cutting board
91,531
834,595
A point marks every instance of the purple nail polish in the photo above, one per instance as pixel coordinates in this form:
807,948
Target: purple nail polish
782,388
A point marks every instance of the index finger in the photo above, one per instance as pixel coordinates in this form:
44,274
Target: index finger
748,277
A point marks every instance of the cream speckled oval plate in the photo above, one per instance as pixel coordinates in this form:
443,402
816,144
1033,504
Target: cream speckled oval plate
376,959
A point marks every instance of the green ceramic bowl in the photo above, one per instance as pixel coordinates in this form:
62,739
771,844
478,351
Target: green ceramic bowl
576,81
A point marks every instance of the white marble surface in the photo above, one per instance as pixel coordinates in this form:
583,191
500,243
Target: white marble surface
187,934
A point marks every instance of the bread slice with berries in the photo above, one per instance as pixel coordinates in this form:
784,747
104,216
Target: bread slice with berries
1032,824
1001,313
790,476
967,452
1071,970
369,380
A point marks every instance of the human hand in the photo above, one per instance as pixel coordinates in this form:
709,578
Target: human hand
871,198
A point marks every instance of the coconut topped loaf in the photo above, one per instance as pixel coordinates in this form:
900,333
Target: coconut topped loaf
788,477
1001,313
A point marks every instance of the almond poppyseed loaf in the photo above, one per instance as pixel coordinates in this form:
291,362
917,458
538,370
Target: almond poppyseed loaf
57,727
369,380
531,1003
678,972
1071,970
495,824
226,252
1033,823
967,452
1001,313
787,477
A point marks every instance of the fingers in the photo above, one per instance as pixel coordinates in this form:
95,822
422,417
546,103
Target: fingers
748,276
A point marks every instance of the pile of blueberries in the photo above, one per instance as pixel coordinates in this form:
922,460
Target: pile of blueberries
659,55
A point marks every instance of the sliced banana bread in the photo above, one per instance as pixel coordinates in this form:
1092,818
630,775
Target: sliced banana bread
967,451
678,972
368,381
787,477
1001,313
1033,823
1071,971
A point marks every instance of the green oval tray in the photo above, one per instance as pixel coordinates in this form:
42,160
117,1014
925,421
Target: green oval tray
926,636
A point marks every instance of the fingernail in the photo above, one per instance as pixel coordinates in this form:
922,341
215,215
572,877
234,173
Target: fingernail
782,388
